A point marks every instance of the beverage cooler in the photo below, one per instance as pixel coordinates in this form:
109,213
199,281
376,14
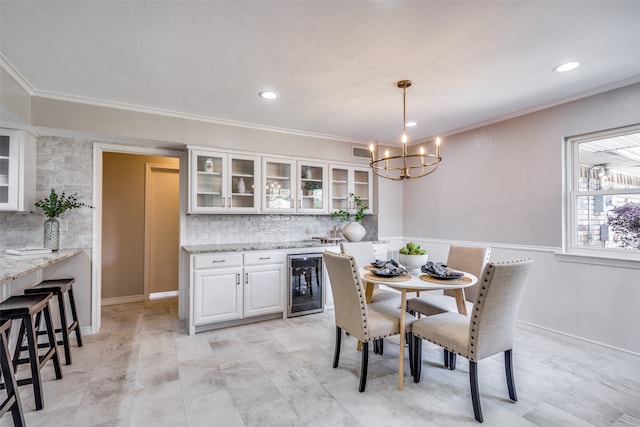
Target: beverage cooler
306,288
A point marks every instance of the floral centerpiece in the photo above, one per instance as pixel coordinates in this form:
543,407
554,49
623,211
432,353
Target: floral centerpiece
353,230
53,206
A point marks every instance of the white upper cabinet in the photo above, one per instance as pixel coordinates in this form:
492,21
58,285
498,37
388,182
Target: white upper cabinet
221,182
278,189
313,187
17,170
346,180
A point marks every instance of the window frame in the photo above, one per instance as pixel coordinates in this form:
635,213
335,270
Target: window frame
571,163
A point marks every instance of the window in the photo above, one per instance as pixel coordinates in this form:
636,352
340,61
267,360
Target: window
604,194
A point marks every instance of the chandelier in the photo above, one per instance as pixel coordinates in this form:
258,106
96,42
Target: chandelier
406,166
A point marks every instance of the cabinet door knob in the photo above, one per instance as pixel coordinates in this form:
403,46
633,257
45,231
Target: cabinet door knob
246,278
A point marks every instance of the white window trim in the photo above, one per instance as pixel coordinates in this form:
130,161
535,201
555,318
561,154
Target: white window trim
570,163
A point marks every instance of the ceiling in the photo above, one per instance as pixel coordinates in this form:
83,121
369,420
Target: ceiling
335,64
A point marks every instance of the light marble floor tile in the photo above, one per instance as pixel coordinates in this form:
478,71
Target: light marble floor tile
143,369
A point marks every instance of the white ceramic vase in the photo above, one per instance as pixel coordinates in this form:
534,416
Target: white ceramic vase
354,231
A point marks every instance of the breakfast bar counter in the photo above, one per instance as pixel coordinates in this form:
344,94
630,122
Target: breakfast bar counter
15,266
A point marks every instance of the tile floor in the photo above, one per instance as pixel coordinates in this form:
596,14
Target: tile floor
142,369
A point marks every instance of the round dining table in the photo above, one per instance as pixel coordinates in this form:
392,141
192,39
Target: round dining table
415,281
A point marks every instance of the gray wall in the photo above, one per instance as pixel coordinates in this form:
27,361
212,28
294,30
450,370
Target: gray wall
502,186
503,183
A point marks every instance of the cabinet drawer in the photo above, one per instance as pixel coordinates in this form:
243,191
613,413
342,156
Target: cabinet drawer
217,260
257,258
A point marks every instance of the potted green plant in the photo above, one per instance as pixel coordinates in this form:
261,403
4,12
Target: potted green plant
412,256
310,187
53,206
353,230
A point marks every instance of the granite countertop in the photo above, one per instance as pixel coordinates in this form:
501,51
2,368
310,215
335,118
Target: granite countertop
258,246
15,266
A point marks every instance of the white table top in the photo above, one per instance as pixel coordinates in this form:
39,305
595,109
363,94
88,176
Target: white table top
418,284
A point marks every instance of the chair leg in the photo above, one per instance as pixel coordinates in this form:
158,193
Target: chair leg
475,393
508,367
446,358
363,367
336,351
380,346
452,360
409,340
417,358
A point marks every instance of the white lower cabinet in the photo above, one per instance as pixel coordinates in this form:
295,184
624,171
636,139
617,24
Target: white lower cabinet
264,283
232,286
217,296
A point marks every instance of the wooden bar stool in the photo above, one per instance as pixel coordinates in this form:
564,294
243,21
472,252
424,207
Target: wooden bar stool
59,288
24,308
12,402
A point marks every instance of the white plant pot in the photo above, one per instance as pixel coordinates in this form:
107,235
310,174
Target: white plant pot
354,231
413,262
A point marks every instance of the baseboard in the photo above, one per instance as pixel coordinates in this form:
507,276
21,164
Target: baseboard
122,300
162,295
583,342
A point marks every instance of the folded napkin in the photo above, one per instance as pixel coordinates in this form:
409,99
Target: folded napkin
383,264
388,268
439,269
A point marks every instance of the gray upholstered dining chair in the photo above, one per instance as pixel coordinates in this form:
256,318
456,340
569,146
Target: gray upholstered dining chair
364,254
487,331
363,321
471,259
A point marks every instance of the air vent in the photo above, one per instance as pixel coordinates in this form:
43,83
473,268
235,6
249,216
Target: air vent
361,152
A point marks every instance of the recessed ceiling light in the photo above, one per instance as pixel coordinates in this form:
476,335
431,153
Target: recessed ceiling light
567,66
411,124
266,94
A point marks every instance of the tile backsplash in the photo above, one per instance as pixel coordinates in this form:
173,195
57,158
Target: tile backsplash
67,165
221,229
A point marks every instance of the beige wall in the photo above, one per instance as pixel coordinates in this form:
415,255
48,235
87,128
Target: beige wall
15,102
123,188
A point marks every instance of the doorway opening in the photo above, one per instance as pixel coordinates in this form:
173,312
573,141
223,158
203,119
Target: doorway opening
138,223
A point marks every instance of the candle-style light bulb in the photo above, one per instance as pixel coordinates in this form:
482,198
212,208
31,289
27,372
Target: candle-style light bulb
371,148
438,146
404,137
386,153
422,156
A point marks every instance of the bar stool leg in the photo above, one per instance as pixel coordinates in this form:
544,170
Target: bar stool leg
34,361
9,378
52,342
74,314
64,329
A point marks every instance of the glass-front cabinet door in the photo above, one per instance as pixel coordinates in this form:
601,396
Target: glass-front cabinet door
312,187
278,187
17,170
6,166
222,182
245,176
346,180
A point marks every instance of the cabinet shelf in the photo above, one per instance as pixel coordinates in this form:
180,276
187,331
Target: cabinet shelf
281,178
242,194
242,175
209,173
211,193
